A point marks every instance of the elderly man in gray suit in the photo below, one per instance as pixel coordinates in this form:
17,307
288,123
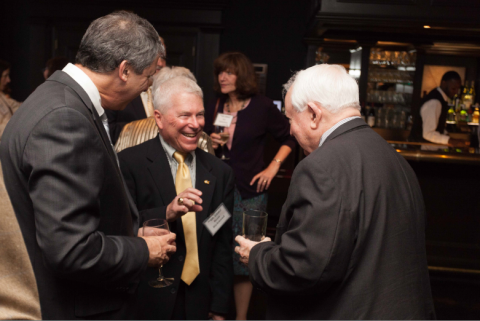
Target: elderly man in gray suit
76,215
350,241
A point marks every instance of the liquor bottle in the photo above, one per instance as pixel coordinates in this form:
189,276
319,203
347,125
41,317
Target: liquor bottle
476,115
472,91
371,117
466,97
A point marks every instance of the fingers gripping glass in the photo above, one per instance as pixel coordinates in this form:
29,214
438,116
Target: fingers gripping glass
157,227
224,136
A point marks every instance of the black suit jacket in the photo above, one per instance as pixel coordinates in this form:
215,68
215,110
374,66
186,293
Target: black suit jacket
350,241
117,119
149,178
72,205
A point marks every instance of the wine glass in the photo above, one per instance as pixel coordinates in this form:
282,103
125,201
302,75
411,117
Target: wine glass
157,227
224,135
254,225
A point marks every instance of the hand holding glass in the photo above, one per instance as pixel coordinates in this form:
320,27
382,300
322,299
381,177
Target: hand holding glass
224,136
157,227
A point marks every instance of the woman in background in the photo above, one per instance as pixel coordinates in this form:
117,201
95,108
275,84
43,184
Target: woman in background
8,106
253,117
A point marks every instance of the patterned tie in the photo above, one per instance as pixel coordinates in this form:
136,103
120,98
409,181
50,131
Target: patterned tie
150,109
191,268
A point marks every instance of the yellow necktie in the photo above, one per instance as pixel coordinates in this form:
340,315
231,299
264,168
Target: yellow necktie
191,267
150,109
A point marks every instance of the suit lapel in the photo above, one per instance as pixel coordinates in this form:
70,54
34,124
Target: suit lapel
160,171
203,175
65,79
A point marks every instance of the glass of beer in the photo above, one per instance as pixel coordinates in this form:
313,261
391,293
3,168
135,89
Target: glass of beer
224,136
254,225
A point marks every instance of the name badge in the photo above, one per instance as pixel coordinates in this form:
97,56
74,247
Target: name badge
216,220
223,120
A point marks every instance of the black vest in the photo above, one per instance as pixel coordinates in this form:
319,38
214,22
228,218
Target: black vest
416,135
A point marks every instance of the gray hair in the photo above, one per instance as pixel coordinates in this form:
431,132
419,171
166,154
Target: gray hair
163,93
167,73
329,85
116,37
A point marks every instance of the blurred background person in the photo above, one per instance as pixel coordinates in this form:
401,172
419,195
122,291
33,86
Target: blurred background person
8,106
54,64
254,116
140,107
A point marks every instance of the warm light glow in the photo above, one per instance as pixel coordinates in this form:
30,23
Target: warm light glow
426,27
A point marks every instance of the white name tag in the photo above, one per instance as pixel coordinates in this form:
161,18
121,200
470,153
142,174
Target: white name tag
223,120
215,221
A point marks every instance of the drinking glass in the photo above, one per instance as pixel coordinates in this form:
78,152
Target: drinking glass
224,135
157,227
254,225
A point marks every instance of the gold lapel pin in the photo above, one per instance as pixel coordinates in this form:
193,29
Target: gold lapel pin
207,182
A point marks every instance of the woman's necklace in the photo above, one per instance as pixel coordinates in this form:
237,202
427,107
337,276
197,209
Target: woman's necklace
227,105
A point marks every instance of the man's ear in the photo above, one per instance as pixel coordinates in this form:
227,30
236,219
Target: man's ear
158,118
315,114
124,70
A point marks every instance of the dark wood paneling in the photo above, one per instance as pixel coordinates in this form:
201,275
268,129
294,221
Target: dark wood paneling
383,2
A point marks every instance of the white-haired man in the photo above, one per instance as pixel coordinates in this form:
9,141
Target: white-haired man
350,241
202,267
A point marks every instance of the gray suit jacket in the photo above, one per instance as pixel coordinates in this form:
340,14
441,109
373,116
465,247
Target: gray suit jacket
72,205
350,242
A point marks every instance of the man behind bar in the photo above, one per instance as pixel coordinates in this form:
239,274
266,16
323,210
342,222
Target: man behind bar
62,176
429,123
350,241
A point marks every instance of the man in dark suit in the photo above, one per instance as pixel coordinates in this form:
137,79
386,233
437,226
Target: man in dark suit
350,241
153,172
77,218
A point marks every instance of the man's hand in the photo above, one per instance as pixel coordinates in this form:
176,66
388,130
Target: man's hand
190,198
245,247
453,142
214,316
160,248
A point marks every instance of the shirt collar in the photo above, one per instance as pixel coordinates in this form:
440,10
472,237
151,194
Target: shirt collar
445,97
87,84
329,131
169,150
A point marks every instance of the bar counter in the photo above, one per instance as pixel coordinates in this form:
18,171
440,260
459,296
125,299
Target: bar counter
428,152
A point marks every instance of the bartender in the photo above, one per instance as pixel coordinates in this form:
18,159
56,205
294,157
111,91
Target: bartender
429,124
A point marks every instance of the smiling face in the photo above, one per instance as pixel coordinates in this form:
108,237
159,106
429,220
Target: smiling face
227,81
183,122
5,79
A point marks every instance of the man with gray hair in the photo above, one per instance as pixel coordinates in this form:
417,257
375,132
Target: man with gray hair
76,215
350,241
170,178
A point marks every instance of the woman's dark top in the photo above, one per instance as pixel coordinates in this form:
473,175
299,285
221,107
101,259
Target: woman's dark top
260,117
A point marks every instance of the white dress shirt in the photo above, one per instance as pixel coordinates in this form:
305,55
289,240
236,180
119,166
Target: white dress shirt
430,112
87,84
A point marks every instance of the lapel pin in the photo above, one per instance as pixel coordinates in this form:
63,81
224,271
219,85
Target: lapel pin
207,182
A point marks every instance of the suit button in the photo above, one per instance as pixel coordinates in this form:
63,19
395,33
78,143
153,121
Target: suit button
173,290
180,258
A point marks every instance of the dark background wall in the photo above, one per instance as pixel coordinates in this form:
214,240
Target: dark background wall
270,32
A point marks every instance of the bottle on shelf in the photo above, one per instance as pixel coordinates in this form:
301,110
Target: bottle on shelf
371,117
476,114
466,96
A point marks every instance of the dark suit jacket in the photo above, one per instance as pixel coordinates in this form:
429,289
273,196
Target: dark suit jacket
72,205
149,178
350,241
117,119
